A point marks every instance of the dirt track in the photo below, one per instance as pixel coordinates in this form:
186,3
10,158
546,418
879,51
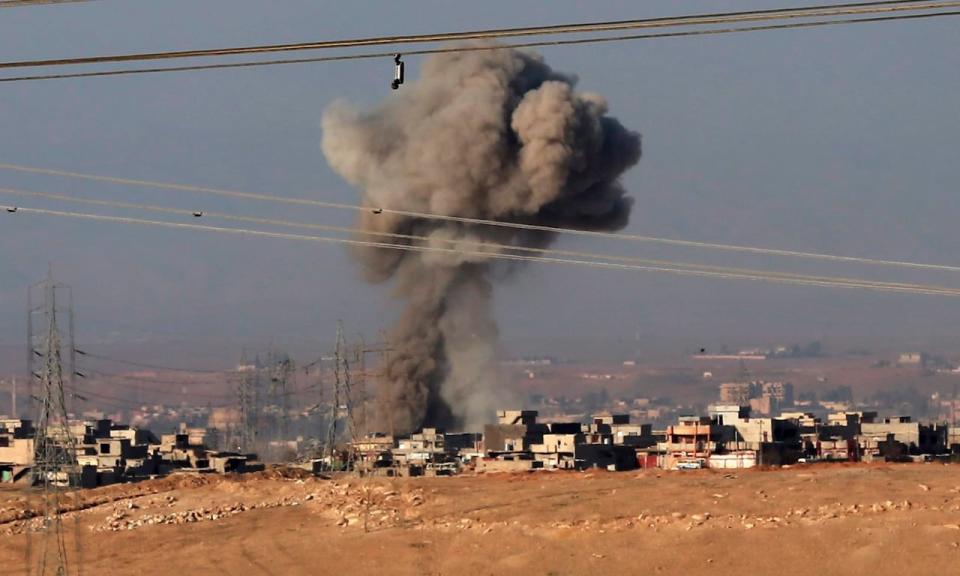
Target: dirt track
818,520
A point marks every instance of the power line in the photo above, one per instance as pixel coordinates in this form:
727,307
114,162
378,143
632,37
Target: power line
758,250
148,380
162,386
148,366
92,400
151,380
222,397
114,399
126,403
456,243
21,3
475,48
717,18
231,373
733,275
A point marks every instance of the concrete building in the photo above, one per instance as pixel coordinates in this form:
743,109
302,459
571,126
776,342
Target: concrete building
16,449
420,449
775,441
107,452
432,452
763,397
608,441
915,358
737,393
773,397
558,450
372,454
691,441
515,431
953,439
918,438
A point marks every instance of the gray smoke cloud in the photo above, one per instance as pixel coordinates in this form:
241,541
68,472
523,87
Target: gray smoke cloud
494,135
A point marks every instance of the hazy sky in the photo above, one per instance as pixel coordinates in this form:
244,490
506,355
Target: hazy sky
840,139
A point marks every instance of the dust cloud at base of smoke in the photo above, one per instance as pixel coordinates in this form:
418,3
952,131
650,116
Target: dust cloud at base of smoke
493,135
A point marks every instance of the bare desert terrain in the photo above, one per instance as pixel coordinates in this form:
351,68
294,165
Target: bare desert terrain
823,519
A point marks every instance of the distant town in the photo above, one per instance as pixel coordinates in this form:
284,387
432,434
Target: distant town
749,423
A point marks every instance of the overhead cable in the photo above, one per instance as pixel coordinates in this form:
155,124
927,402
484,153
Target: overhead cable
453,242
759,250
702,19
21,3
144,385
145,365
475,48
754,275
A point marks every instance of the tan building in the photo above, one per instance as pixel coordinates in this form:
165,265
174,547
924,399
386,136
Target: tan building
691,442
763,397
16,449
738,393
515,431
911,358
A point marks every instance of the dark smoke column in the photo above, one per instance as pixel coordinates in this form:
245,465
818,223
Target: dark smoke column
493,135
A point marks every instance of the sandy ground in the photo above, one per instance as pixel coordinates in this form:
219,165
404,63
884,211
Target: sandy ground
879,519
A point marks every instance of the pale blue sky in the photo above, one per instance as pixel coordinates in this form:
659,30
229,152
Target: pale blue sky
840,139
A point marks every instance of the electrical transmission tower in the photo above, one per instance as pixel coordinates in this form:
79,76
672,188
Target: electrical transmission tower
43,303
346,381
342,402
359,387
248,395
55,466
383,386
281,373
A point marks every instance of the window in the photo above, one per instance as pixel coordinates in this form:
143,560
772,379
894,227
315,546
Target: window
104,448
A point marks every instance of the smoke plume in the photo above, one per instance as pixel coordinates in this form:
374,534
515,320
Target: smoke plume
495,135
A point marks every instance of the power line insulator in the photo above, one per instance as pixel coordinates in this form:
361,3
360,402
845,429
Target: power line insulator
397,72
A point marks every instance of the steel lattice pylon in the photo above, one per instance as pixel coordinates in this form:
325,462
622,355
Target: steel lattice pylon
55,467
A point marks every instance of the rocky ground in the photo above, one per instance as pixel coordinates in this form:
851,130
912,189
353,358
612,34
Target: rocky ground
840,519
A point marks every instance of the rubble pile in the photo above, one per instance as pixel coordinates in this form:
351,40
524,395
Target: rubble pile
121,520
347,504
375,507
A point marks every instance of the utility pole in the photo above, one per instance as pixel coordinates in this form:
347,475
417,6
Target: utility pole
55,449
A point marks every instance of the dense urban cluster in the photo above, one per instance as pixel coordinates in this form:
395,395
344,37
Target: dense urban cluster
754,423
101,452
728,437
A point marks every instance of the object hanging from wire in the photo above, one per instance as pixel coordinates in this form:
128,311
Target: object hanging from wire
397,72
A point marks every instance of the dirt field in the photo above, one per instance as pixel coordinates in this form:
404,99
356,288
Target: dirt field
881,519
